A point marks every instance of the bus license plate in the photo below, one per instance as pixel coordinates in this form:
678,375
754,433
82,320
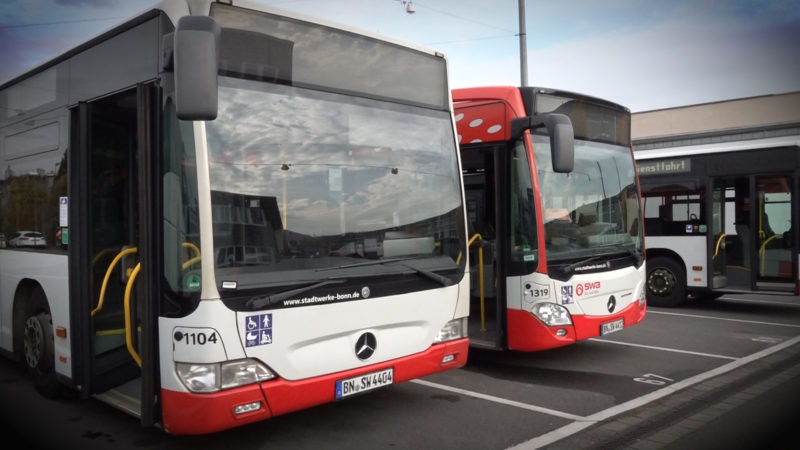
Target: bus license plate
610,327
364,383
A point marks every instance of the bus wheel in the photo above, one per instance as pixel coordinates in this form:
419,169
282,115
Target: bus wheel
666,282
37,342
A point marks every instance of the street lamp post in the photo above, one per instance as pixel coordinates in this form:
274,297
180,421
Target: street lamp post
523,46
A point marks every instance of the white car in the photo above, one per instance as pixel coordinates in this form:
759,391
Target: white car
33,239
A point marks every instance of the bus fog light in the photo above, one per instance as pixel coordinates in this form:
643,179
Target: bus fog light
561,332
641,295
212,377
551,314
448,359
455,329
247,407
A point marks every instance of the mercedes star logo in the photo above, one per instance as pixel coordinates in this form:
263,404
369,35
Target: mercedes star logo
365,346
612,303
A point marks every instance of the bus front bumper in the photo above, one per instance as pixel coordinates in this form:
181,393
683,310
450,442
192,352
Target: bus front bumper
191,413
527,333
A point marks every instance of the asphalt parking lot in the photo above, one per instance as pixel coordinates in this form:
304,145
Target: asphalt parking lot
705,373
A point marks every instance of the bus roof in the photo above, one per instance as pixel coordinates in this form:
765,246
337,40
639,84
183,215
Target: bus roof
174,9
507,92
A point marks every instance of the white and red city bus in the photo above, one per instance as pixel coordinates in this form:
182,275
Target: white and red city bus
234,225
553,207
718,219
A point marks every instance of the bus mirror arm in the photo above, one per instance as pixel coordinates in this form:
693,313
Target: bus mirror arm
194,62
562,137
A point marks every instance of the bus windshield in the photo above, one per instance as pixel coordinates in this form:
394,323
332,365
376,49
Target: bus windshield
304,183
592,211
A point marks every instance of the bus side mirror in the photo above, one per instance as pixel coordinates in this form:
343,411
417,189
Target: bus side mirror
195,47
562,137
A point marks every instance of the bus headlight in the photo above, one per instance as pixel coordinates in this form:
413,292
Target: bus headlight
213,377
551,314
641,295
455,329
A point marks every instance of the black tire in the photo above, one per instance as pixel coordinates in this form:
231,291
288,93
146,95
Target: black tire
666,282
38,348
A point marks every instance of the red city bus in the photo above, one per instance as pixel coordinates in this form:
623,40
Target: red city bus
553,203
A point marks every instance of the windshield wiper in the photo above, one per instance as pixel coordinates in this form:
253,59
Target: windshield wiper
444,281
271,299
365,263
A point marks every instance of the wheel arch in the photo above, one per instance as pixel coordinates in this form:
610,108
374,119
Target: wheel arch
666,253
26,304
666,284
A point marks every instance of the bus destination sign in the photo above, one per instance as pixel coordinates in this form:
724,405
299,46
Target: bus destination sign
664,166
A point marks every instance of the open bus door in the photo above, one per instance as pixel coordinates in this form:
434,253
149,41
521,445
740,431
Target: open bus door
759,251
775,265
112,259
487,319
718,247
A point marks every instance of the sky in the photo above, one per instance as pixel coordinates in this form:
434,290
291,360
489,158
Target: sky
643,54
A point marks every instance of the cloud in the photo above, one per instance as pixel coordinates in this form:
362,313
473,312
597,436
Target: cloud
645,55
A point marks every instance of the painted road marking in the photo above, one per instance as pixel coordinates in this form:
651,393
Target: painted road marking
778,324
582,422
664,349
574,427
762,302
554,412
500,400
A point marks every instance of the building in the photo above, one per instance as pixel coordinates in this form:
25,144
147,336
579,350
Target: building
741,120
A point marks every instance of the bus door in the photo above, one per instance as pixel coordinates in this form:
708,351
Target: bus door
759,250
486,319
737,255
113,145
775,265
718,247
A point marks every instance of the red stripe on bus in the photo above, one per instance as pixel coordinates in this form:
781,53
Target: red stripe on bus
188,413
527,333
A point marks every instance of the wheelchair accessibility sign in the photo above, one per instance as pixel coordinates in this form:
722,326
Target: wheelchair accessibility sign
259,330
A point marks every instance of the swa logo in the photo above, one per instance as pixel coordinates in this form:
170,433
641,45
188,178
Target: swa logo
588,286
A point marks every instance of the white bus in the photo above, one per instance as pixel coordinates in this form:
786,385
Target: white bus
242,212
719,219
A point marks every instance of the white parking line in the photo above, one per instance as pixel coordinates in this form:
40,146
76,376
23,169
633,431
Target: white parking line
664,349
577,419
778,324
762,302
582,422
500,400
574,427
